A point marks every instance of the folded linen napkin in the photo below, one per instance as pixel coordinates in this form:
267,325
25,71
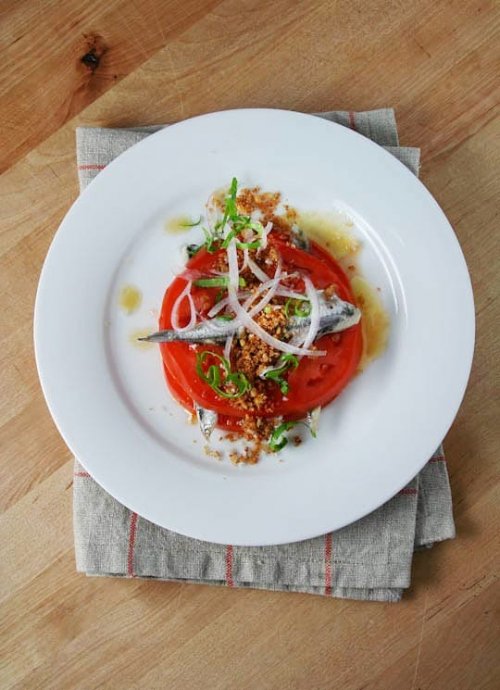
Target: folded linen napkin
370,559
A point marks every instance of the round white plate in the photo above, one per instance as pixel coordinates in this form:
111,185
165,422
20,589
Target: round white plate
108,397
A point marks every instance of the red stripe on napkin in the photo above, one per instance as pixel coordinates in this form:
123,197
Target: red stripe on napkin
407,492
328,564
91,167
131,544
229,566
352,121
81,474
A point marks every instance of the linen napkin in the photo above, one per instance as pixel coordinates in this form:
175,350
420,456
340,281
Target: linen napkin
368,560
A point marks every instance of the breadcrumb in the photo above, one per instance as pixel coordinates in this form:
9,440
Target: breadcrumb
211,452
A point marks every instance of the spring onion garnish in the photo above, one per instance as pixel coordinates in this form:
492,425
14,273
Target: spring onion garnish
220,377
253,231
190,224
301,308
231,210
221,281
278,440
288,361
211,241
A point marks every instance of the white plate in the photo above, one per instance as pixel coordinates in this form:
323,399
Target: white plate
109,400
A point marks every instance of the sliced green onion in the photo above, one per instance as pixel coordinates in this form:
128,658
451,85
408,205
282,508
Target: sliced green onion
303,308
214,240
225,317
191,224
211,282
248,245
211,241
239,221
257,227
290,359
212,376
221,281
230,236
230,210
276,375
278,440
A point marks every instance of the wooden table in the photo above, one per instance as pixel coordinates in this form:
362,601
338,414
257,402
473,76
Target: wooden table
67,63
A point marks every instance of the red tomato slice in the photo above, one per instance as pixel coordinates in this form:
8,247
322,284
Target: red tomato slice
316,381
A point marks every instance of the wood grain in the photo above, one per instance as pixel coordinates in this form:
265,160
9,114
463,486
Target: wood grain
60,55
159,61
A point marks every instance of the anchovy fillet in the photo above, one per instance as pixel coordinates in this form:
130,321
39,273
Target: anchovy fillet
207,419
335,316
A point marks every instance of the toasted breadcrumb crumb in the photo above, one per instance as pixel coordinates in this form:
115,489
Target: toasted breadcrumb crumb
211,452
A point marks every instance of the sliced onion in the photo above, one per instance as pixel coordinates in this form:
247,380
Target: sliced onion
218,307
175,310
213,213
283,292
245,318
271,287
313,419
245,260
247,321
224,302
314,313
227,347
232,260
256,270
267,229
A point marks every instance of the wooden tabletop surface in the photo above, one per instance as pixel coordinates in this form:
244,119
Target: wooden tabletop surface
67,63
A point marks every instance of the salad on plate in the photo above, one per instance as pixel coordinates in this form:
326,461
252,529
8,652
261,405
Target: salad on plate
262,327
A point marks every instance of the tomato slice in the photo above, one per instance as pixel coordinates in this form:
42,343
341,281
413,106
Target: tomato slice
316,381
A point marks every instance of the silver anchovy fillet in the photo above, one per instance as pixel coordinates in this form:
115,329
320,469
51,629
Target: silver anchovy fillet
207,420
335,316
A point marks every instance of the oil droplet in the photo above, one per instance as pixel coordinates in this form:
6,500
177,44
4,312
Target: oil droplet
130,299
141,333
179,224
374,321
330,230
